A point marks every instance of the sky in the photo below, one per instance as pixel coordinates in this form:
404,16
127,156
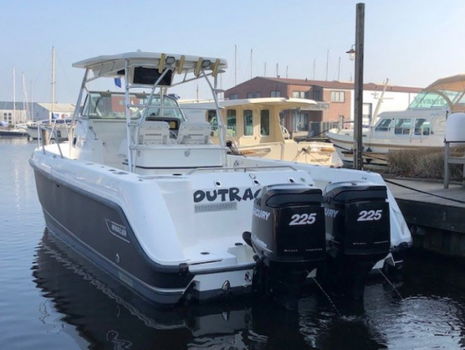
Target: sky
410,42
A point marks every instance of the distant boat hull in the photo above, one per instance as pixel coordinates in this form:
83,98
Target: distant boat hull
13,132
61,132
376,150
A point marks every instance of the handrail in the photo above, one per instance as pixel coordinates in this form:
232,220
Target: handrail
53,131
245,168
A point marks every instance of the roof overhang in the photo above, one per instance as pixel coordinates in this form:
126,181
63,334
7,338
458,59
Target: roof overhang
284,103
110,65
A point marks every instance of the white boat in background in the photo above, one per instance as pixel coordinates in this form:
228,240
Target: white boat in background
141,192
253,128
58,123
57,128
421,126
9,130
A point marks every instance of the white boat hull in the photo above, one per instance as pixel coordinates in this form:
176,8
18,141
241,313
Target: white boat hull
376,150
172,236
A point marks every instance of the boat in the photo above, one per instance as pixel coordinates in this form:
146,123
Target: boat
253,128
421,126
57,128
57,124
141,192
14,131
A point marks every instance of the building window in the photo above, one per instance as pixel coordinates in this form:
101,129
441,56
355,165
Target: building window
231,122
403,126
300,121
248,122
316,93
233,97
337,96
275,93
253,95
298,94
265,122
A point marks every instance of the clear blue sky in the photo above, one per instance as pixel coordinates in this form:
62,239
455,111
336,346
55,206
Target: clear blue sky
411,42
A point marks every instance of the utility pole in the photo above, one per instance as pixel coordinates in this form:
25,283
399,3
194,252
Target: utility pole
277,70
264,69
287,71
358,85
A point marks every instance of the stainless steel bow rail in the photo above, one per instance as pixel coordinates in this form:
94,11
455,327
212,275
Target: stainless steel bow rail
45,134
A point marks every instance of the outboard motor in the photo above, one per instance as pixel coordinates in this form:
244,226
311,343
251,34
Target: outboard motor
288,237
358,229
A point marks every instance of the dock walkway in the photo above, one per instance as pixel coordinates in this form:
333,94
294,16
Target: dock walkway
438,223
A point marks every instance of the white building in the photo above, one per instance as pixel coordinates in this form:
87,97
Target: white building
23,112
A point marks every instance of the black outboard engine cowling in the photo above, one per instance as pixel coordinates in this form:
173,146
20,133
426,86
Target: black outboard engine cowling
288,236
358,228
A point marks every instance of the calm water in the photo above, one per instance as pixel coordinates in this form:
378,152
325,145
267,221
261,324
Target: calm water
49,301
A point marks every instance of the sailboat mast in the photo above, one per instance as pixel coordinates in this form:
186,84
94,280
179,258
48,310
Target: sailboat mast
53,84
13,120
25,102
32,103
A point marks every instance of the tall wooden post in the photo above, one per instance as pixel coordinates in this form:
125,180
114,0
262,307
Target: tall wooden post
358,86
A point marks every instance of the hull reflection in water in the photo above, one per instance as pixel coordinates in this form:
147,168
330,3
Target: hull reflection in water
109,315
113,317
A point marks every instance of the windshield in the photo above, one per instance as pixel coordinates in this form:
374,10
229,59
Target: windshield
109,105
431,99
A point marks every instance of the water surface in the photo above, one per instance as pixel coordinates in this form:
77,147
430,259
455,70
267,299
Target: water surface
51,300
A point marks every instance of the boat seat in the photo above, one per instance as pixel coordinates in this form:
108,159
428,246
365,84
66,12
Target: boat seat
194,133
153,133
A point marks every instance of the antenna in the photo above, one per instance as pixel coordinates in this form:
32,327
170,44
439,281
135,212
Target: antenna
287,71
264,70
277,70
314,68
339,70
235,64
327,64
251,62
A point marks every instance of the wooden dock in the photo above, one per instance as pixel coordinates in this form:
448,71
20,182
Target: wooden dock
437,223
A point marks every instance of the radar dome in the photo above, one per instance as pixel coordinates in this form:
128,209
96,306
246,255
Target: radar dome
455,127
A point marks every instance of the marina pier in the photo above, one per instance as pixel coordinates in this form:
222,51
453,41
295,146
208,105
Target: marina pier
435,215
